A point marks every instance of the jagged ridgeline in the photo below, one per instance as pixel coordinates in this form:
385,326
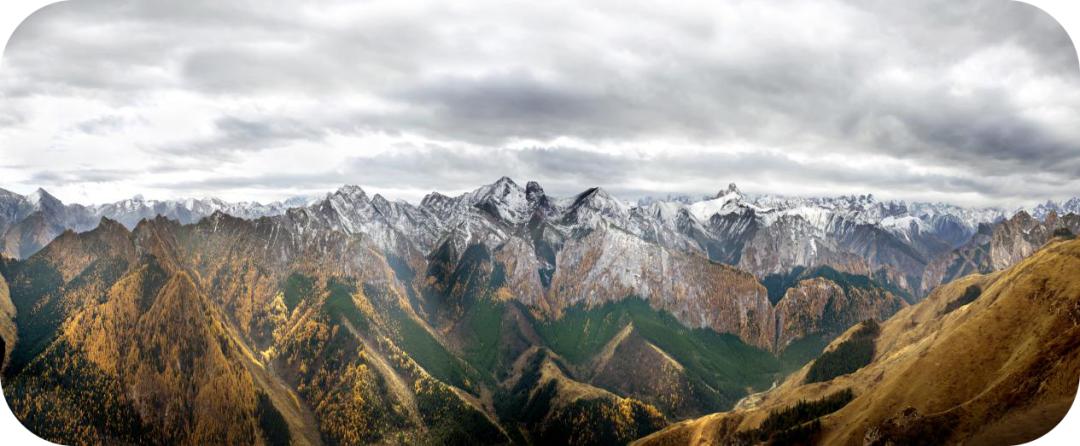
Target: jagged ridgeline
908,247
498,316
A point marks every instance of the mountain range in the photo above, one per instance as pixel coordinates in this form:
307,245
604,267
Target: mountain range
502,315
27,223
901,244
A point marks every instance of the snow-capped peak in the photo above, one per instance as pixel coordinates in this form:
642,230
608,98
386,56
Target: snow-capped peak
42,200
1044,210
732,189
38,196
435,201
598,198
595,207
351,192
727,201
503,199
503,189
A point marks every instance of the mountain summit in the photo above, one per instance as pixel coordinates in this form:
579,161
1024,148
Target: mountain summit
732,189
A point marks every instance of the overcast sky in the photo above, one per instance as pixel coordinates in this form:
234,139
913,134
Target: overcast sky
974,102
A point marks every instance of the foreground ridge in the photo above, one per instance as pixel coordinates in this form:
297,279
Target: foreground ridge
989,359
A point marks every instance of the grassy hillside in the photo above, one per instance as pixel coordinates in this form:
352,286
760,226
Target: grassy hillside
721,361
988,359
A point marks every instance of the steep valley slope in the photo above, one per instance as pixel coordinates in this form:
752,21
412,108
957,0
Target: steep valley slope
988,359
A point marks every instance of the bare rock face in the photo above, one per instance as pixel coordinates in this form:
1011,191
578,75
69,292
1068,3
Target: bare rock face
972,258
792,242
1015,239
28,236
801,310
609,265
998,247
821,306
731,232
787,243
31,222
522,269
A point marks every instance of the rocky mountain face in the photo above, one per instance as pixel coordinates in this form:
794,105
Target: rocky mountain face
827,303
930,374
898,243
592,248
999,246
13,208
28,223
129,212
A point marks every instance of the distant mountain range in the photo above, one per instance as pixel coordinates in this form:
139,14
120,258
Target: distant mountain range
767,235
498,315
27,223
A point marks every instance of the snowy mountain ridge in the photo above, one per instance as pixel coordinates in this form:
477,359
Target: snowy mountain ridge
760,234
509,199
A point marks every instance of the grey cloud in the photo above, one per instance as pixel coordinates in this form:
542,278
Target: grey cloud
575,165
988,132
627,75
233,134
102,125
10,118
90,175
493,107
565,171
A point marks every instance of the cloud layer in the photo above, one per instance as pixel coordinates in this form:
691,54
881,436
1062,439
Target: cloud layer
968,101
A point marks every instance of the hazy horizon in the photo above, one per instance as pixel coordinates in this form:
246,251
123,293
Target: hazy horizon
670,197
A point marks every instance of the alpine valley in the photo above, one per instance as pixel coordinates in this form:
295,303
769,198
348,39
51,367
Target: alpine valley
505,315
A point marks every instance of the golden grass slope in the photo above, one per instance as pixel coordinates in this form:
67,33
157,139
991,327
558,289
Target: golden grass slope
1002,369
7,322
184,370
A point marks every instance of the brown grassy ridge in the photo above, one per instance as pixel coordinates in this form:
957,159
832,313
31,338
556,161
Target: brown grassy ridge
7,323
1002,369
